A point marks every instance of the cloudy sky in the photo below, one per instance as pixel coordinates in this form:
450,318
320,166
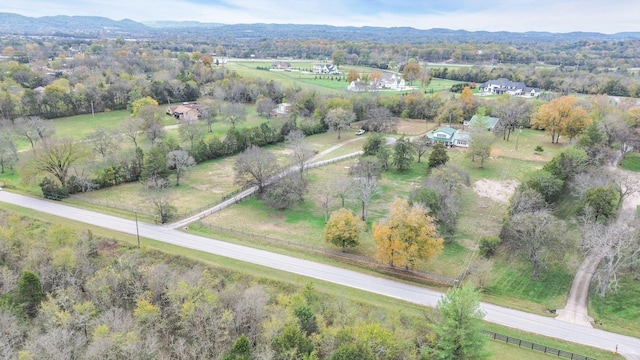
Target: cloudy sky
605,16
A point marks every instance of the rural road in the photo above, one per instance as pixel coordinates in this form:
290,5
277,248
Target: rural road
627,346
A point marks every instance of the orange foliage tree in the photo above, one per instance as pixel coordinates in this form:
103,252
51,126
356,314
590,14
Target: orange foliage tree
561,116
408,235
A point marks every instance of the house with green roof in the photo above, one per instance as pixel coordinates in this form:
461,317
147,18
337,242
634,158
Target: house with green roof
490,122
442,134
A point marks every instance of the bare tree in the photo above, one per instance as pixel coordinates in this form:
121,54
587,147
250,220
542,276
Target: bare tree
179,161
34,129
301,152
158,194
151,123
265,106
8,151
284,192
364,188
234,113
422,146
103,141
616,244
380,119
191,131
325,195
513,114
537,236
341,188
255,166
626,185
339,119
131,128
210,109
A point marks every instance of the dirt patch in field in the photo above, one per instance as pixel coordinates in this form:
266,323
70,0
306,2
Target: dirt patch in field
498,191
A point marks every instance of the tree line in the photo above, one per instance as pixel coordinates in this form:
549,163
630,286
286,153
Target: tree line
67,294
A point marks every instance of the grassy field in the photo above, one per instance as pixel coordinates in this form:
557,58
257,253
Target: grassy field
631,162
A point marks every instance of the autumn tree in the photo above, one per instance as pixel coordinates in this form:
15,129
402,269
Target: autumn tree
343,229
254,167
403,154
406,236
352,75
468,103
459,326
411,72
179,161
140,103
561,116
339,119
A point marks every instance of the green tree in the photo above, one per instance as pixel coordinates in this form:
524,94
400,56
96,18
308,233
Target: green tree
241,349
291,343
459,329
338,57
546,184
343,229
438,156
373,143
30,293
601,201
403,154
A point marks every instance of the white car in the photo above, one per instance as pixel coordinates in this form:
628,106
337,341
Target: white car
360,132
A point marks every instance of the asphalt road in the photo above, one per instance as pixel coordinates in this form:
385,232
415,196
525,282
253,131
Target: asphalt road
627,346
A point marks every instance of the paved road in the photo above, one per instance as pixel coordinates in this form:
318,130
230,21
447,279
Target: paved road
628,346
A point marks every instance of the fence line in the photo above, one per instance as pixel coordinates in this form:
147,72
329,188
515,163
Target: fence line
533,346
352,258
111,204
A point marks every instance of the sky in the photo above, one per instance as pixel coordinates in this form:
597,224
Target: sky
604,16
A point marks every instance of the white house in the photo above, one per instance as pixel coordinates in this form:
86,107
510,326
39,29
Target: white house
326,69
506,86
392,81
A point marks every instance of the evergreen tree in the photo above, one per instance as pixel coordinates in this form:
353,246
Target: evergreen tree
438,156
30,292
459,335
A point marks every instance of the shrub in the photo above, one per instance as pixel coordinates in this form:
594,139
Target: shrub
489,245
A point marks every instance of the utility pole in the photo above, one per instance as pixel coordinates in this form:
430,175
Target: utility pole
518,137
137,230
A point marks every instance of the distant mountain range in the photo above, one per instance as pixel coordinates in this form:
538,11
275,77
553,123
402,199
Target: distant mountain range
100,27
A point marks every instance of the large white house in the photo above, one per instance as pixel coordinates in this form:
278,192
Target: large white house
326,69
506,86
